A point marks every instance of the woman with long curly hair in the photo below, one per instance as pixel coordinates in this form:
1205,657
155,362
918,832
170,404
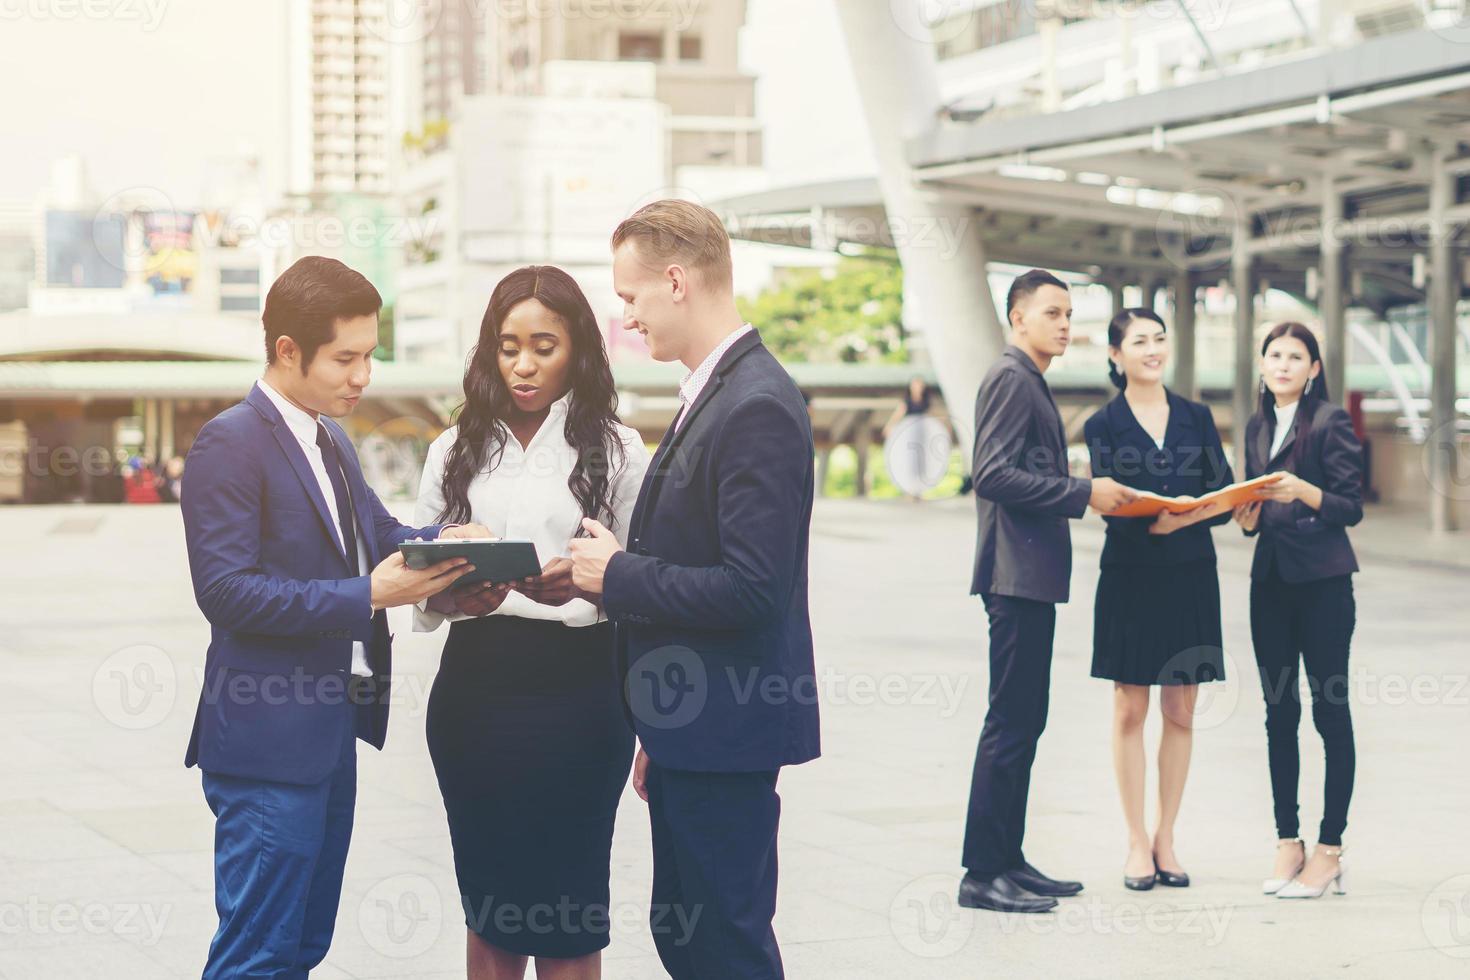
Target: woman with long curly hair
525,720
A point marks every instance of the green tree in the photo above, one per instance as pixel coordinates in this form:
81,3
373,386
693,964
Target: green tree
385,334
851,314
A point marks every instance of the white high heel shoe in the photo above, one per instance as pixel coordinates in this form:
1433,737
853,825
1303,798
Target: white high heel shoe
1295,889
1271,886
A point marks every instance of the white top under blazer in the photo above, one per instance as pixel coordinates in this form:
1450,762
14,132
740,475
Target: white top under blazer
526,497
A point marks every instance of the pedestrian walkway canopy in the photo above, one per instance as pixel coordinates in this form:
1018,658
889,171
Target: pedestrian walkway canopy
1335,177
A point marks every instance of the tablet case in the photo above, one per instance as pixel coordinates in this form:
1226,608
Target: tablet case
494,561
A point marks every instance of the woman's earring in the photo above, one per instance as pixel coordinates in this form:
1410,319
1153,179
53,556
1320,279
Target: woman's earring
1262,386
1308,389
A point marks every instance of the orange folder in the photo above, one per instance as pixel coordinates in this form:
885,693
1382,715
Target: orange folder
1149,504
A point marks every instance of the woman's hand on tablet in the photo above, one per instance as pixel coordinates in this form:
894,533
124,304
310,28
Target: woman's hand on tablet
480,598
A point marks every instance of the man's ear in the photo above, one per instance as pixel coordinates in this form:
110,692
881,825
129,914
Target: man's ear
287,352
678,279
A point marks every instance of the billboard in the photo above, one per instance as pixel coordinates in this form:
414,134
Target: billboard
170,261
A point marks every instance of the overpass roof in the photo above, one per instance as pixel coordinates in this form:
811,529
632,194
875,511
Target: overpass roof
1152,184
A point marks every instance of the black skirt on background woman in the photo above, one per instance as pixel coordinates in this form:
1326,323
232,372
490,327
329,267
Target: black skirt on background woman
1158,624
532,750
1156,619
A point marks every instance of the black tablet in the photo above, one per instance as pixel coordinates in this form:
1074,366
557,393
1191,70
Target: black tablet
494,561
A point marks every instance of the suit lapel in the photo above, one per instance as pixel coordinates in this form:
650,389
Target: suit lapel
653,482
1286,443
294,455
297,458
640,508
1260,447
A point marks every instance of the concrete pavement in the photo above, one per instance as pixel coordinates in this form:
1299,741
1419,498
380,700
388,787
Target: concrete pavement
105,865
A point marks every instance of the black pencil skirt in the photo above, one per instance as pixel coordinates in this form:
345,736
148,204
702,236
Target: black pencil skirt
1158,624
532,750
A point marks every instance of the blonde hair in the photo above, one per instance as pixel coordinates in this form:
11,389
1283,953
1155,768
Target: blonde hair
672,231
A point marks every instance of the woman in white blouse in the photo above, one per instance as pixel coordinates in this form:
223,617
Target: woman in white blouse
525,720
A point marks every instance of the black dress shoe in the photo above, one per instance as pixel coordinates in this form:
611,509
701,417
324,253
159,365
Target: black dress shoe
1171,878
1039,884
1001,894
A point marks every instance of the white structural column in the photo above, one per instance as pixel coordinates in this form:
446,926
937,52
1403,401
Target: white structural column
1444,295
1115,290
938,242
1331,304
1182,330
1243,285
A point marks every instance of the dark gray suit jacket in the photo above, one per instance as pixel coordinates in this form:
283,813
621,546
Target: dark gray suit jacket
1023,493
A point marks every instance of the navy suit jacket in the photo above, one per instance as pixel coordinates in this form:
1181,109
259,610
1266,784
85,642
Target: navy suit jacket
283,612
1305,544
1192,462
1024,493
710,597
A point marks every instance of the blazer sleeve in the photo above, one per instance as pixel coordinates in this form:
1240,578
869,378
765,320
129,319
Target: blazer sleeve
1100,454
427,507
391,532
221,507
762,471
998,471
1342,470
1250,473
1218,473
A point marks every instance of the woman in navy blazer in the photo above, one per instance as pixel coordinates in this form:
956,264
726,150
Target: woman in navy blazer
1302,605
1156,619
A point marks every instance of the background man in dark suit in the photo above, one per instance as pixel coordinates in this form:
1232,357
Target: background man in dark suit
294,561
710,599
1024,497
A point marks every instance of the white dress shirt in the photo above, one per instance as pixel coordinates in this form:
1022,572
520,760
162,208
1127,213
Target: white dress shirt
304,427
1285,414
526,497
695,381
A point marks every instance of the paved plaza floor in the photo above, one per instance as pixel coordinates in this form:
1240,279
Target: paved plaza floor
105,839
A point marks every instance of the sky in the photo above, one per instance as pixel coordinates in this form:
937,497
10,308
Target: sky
149,91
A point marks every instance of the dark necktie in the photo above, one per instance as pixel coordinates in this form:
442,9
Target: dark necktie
345,519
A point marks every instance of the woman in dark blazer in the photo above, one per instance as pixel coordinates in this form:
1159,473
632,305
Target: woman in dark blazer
1156,620
1302,606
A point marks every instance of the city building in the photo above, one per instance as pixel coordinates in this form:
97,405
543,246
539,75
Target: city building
338,97
535,131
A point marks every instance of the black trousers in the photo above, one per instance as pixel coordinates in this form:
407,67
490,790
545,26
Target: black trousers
1311,623
1021,632
714,873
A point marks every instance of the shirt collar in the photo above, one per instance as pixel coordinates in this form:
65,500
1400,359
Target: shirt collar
300,422
695,380
1024,358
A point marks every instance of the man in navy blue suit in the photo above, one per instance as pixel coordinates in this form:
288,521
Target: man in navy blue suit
294,561
710,600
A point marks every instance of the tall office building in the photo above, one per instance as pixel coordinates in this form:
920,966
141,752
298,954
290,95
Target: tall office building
536,127
337,97
694,50
451,61
522,49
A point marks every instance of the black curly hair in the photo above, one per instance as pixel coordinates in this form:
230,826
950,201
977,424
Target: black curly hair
592,419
